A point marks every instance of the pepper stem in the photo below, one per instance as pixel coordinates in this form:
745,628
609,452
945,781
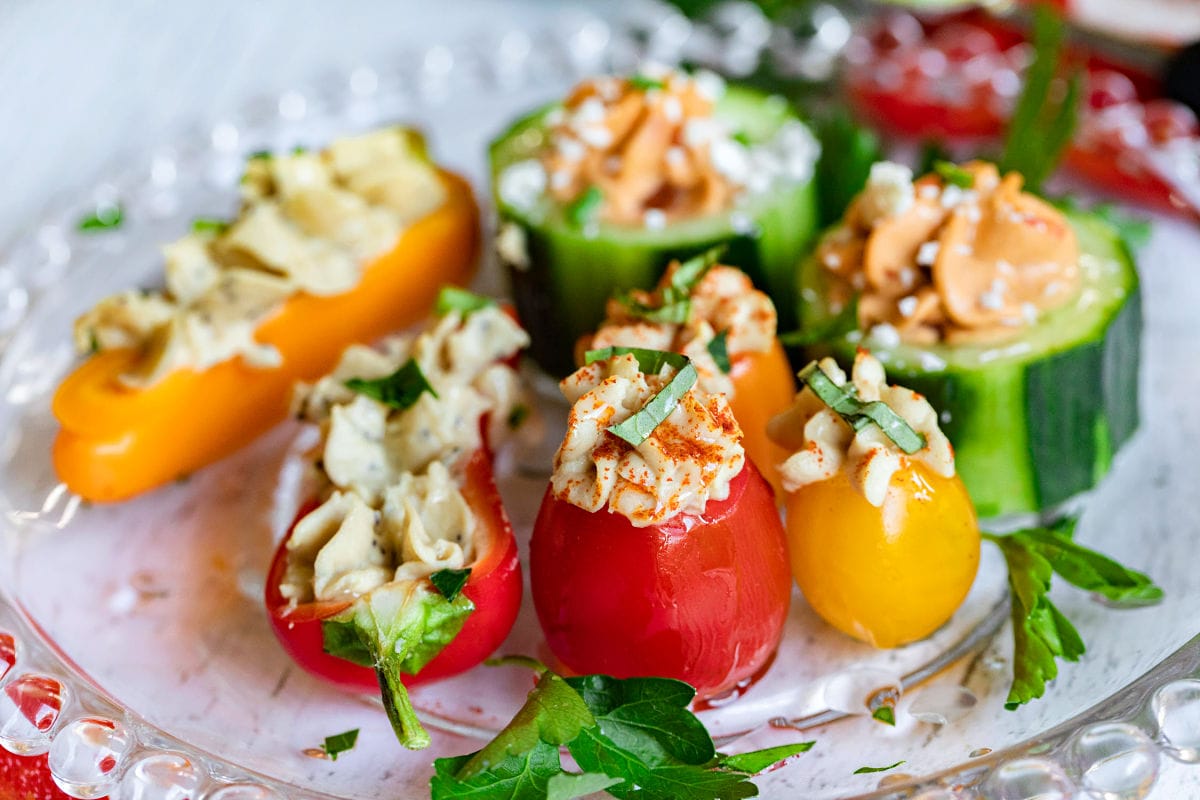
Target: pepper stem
399,706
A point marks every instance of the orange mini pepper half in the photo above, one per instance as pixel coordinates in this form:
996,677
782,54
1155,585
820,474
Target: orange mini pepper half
763,386
117,441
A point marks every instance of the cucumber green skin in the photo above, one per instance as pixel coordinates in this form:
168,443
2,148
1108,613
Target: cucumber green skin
561,294
1032,431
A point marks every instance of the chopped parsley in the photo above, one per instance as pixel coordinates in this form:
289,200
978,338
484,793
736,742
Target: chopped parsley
104,218
340,743
400,390
450,581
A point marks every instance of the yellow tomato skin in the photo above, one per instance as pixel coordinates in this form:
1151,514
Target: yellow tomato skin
887,575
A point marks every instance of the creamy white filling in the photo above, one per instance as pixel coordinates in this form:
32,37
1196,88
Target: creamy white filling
689,459
822,443
309,223
724,301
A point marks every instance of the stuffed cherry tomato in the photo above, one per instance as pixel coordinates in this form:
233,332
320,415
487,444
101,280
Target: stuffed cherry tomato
666,557
712,314
493,587
882,534
406,570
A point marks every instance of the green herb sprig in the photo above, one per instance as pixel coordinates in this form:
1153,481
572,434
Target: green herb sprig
634,738
856,413
1042,633
675,299
399,390
718,348
209,225
637,428
1042,124
644,83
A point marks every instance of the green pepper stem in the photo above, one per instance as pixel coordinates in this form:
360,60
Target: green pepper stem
399,706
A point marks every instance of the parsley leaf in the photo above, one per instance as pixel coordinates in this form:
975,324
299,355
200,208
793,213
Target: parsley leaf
104,218
1041,633
400,390
584,208
756,761
340,743
833,328
866,770
1042,124
260,155
954,174
454,298
844,401
450,581
397,629
634,738
718,348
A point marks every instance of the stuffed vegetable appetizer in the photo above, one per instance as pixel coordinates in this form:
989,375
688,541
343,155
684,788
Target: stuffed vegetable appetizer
882,535
712,314
1019,321
658,549
597,194
329,248
403,568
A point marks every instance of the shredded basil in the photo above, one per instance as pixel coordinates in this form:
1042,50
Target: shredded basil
104,218
676,297
453,298
400,390
885,714
637,428
450,581
517,416
340,743
209,225
844,401
645,83
583,209
718,348
868,770
954,174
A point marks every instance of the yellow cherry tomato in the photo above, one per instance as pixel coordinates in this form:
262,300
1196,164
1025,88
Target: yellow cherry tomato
887,575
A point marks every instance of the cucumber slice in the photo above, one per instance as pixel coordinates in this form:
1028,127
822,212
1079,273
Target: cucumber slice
1034,420
568,274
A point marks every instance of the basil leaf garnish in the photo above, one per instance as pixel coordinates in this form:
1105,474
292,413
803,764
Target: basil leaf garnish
400,390
844,401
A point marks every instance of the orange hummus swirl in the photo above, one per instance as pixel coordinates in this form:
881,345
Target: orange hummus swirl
651,146
936,261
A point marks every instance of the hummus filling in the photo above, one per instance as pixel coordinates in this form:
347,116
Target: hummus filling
974,260
309,222
822,443
689,458
652,151
723,301
390,479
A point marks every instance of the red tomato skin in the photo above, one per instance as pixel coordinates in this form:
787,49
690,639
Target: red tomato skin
699,598
494,587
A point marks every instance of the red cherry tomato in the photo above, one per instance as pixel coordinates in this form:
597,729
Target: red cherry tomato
701,598
494,587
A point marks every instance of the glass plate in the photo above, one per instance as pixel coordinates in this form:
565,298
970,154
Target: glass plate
143,660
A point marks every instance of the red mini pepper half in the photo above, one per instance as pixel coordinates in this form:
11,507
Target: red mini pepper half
701,598
489,601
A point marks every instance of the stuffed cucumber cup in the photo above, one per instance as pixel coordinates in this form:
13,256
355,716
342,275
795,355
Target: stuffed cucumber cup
1020,322
598,193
